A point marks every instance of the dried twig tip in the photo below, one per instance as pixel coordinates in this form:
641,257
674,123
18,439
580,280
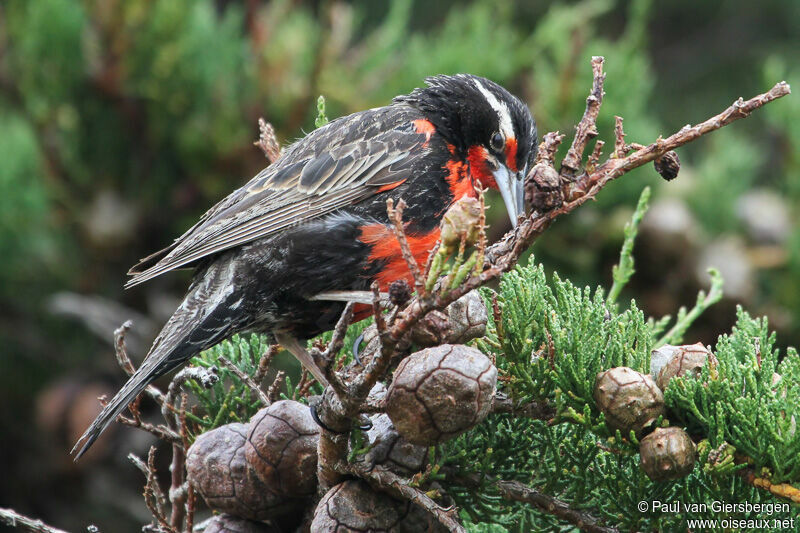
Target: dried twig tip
267,141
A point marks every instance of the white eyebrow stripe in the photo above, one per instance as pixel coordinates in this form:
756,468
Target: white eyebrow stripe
506,128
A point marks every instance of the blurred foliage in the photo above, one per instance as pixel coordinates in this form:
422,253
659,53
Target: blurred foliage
123,121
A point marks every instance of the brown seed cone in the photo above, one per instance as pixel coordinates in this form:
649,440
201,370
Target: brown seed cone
225,523
399,292
389,449
354,506
686,359
660,357
667,453
463,320
629,400
543,188
282,448
218,470
461,219
438,393
668,165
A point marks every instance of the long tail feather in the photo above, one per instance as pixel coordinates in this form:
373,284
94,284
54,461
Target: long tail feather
209,314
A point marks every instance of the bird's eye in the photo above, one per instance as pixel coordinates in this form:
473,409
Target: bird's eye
497,142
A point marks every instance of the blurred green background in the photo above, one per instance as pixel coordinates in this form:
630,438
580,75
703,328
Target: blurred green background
122,121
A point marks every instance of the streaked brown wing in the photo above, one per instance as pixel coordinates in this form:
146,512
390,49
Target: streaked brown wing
335,166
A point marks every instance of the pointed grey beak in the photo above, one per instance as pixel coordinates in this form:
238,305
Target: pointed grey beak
511,187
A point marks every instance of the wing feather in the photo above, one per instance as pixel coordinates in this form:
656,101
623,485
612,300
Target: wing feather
329,169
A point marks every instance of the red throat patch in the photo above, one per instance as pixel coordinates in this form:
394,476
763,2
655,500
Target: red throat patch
511,154
479,168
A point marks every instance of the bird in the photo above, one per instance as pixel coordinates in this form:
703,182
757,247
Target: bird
315,221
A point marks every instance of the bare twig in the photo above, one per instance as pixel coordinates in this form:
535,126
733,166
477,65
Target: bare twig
178,485
247,380
339,332
387,481
516,491
304,385
160,431
267,141
12,518
325,359
482,241
306,380
120,350
264,362
274,391
503,254
187,495
191,504
396,218
377,313
535,410
594,159
176,421
619,139
784,490
379,363
587,127
124,361
205,377
154,498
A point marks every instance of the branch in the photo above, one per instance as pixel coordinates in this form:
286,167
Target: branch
387,481
784,490
587,127
154,498
124,361
264,363
502,255
619,139
12,518
247,380
160,431
516,491
615,168
176,421
206,377
274,391
396,218
534,410
325,359
178,487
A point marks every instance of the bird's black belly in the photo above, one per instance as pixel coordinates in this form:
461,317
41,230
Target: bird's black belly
283,271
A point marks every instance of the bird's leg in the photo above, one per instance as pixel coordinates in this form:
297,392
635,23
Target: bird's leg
299,351
357,348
